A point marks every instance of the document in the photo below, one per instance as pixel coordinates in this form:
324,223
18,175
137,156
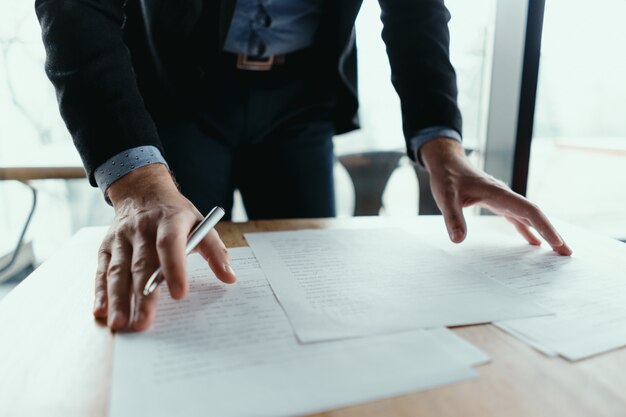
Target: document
462,350
587,296
336,284
229,351
528,340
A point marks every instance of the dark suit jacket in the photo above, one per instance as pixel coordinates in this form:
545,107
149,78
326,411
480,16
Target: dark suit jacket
118,64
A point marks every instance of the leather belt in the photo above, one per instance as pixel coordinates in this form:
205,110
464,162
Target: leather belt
248,63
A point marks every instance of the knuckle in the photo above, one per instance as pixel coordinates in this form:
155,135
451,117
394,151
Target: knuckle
140,265
100,293
115,269
121,231
534,207
164,240
104,254
531,211
105,246
127,226
144,224
172,214
450,194
502,194
101,271
103,263
102,268
108,238
494,182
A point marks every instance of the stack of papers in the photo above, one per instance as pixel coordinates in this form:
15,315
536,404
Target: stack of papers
229,350
346,283
588,297
337,284
324,319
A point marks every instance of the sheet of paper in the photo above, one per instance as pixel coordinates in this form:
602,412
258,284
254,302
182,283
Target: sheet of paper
462,350
229,351
526,339
587,296
337,284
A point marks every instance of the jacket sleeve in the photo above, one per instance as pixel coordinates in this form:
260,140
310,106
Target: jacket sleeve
417,39
90,67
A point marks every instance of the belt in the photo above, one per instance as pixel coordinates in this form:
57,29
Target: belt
248,63
303,58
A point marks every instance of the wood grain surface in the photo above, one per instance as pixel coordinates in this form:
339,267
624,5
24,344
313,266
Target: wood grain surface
56,361
40,173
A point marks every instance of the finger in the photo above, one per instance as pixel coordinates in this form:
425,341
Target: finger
453,216
100,296
144,262
214,251
530,215
144,309
541,224
524,231
514,205
119,284
170,244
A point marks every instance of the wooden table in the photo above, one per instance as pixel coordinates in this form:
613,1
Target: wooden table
55,161
55,360
28,173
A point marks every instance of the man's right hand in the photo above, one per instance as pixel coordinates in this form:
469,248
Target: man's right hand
152,222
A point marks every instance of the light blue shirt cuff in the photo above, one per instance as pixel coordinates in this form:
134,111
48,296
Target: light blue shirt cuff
430,133
125,162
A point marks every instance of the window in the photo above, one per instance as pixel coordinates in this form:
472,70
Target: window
472,31
31,130
578,159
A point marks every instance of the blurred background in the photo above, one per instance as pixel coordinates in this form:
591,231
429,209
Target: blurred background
578,159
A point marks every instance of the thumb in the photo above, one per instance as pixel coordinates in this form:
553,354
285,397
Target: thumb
455,221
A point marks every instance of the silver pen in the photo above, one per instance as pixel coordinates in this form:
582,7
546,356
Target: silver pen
195,237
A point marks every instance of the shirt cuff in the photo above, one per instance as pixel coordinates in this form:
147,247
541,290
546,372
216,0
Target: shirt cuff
430,133
125,162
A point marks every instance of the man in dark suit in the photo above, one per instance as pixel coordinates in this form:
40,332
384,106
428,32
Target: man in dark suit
242,94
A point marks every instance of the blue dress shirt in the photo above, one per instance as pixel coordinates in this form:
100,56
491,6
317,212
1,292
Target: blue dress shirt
261,28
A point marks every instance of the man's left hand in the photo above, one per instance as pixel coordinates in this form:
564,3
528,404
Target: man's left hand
456,184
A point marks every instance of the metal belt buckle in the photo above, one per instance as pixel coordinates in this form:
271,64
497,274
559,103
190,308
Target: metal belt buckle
245,63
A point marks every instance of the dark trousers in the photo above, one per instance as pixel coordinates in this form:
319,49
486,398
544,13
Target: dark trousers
267,134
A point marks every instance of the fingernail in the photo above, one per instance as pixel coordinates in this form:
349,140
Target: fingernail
566,250
561,242
229,269
456,234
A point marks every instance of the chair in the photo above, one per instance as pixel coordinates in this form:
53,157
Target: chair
370,173
14,264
